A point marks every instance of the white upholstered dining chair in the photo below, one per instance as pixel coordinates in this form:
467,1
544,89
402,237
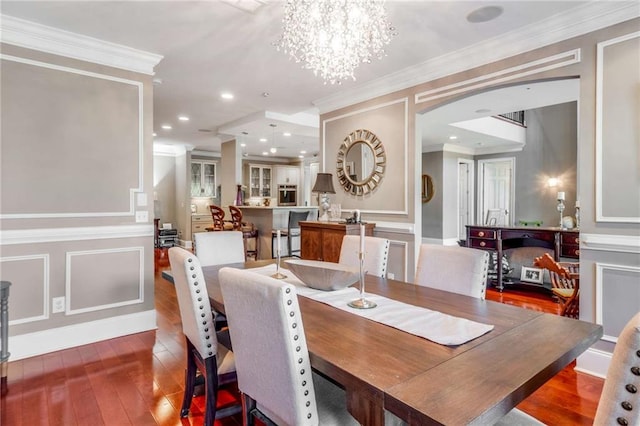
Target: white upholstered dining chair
376,254
217,248
214,361
272,360
620,399
452,268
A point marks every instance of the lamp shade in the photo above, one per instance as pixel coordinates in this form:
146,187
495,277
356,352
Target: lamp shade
324,183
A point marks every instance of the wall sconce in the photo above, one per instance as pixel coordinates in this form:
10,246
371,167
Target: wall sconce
553,182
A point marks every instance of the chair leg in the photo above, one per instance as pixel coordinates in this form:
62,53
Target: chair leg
189,381
211,392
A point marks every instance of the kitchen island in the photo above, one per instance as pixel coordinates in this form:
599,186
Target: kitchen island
267,219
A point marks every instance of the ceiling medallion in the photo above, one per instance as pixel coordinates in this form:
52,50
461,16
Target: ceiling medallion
333,37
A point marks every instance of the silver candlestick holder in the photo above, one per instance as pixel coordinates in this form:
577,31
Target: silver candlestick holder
560,208
362,302
278,275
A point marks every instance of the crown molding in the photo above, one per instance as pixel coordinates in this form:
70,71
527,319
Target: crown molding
577,21
30,35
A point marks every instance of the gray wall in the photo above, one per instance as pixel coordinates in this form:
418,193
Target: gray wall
76,168
432,212
164,189
550,151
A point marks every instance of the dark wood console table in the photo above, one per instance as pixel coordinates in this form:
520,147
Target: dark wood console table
323,240
563,242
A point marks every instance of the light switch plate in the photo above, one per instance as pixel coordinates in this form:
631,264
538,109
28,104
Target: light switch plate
57,305
142,199
142,216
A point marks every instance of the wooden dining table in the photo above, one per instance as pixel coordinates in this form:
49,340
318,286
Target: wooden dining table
422,382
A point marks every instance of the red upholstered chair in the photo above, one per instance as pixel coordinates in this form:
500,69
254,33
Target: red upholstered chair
565,282
248,232
218,218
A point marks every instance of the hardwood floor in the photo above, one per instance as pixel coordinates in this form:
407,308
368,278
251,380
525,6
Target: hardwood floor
138,379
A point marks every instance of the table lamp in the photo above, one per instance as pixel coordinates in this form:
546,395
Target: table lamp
324,186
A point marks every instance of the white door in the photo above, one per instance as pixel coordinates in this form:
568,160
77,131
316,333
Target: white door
465,197
495,186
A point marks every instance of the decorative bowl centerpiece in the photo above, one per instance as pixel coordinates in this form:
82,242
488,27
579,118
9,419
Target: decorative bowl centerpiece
323,275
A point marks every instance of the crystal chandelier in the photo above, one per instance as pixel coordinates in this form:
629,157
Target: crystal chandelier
332,37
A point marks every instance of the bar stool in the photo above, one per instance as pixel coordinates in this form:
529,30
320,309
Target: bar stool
293,230
248,232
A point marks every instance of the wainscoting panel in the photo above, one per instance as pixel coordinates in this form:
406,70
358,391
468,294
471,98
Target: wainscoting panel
619,285
29,277
398,256
618,130
50,94
101,279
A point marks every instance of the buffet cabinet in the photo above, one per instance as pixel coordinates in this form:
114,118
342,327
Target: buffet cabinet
564,242
323,240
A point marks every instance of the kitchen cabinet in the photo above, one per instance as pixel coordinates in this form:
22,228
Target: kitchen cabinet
200,222
203,178
287,175
260,180
323,240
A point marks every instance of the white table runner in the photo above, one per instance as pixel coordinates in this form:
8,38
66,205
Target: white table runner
432,325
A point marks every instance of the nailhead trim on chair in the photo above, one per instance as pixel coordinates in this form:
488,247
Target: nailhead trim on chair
298,349
201,307
626,405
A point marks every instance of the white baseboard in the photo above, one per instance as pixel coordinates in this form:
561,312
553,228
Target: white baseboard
55,339
594,362
441,242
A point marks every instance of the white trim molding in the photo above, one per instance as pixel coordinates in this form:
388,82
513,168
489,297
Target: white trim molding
594,362
69,292
33,236
600,217
508,74
405,100
45,286
55,339
132,191
31,35
615,243
599,296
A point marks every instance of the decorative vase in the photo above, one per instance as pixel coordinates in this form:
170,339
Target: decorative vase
239,196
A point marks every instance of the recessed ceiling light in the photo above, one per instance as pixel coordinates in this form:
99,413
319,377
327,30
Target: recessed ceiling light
286,134
300,156
453,137
157,81
303,152
273,150
166,126
262,139
183,118
226,95
155,134
243,145
484,14
483,111
265,153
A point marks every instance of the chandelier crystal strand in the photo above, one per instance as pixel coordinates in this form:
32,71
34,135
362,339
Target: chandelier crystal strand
333,37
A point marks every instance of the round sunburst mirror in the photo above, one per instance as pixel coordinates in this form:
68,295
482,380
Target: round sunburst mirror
361,162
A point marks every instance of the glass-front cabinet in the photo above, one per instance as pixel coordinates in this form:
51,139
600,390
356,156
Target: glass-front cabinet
260,180
203,178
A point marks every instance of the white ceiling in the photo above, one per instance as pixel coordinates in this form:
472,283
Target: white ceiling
215,46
